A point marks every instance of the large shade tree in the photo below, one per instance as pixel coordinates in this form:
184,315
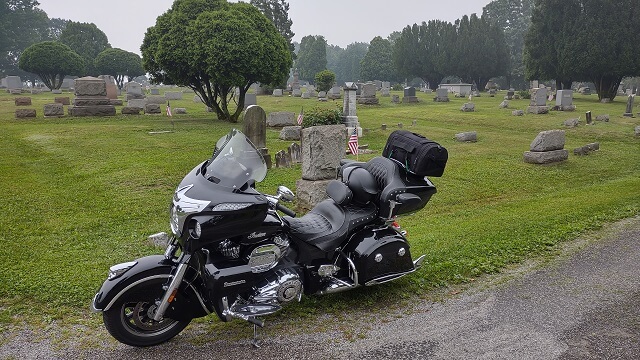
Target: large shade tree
278,12
212,47
347,65
584,40
312,57
119,64
378,64
87,40
51,61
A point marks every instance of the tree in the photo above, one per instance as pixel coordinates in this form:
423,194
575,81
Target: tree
119,64
56,26
514,17
21,25
325,80
278,12
377,64
579,40
347,67
212,47
86,40
51,61
312,57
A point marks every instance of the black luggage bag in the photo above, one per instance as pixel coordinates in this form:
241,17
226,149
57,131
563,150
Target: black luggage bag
415,153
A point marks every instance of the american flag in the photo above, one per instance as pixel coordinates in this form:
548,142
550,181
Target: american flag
300,117
353,141
169,109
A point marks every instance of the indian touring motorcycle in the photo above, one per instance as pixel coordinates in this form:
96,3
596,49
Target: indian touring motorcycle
233,254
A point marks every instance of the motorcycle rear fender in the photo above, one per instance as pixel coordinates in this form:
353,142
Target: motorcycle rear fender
146,269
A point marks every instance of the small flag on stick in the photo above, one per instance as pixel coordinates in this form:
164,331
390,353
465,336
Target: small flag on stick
300,117
169,109
353,141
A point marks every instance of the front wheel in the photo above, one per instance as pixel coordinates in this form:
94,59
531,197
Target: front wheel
130,319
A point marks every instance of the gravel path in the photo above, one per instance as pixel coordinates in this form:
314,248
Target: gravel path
584,304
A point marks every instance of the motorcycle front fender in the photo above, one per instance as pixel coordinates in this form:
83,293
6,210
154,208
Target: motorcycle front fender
145,269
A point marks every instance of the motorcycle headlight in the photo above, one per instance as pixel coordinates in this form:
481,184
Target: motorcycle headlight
174,221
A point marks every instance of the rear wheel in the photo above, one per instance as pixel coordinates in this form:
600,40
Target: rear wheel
130,319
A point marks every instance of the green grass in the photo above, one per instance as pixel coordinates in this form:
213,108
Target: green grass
81,194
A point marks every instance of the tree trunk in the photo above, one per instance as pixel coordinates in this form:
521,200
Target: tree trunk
607,86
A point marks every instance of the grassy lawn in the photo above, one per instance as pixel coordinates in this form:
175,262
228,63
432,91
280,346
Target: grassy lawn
81,194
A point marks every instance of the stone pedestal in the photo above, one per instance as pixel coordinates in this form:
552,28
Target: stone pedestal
53,110
547,147
349,116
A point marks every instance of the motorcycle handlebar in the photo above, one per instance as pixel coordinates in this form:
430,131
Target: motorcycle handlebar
285,210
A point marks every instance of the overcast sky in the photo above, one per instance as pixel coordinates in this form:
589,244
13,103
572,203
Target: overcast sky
341,22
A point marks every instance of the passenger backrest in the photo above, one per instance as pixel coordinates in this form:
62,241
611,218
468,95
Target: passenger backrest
388,177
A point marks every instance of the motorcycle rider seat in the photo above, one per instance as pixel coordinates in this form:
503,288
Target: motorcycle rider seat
328,223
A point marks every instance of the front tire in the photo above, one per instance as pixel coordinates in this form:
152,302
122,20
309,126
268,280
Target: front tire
130,319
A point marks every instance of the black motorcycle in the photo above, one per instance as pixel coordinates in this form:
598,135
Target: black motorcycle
232,253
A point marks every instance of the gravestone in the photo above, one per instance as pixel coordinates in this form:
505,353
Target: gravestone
22,101
468,107
53,110
255,126
296,93
386,85
156,99
470,136
586,149
25,113
295,85
504,104
67,83
395,99
334,93
306,95
588,117
277,92
510,94
629,112
492,92
112,89
152,109
197,99
282,159
517,113
547,147
442,95
13,82
179,111
250,99
368,95
322,149
134,91
538,97
281,118
64,100
295,152
385,92
154,91
409,95
349,116
571,123
173,95
291,133
91,98
127,110
139,103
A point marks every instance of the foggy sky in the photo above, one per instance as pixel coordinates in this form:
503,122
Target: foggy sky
341,22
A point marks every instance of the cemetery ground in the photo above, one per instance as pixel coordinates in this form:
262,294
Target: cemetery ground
82,194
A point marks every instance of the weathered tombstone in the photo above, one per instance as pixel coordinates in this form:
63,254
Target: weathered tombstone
322,149
277,92
23,101
64,100
281,118
110,83
547,147
128,110
510,94
295,85
179,111
25,113
588,117
504,104
637,131
442,95
603,117
294,152
296,93
67,83
91,98
250,99
282,160
255,126
334,93
154,91
156,99
292,133
349,116
571,123
587,149
629,112
538,97
368,95
470,136
385,92
139,103
468,107
152,109
197,99
386,85
53,110
492,92
306,95
517,113
395,99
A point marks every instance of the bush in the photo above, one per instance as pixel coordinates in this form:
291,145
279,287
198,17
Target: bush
317,117
325,79
397,87
524,94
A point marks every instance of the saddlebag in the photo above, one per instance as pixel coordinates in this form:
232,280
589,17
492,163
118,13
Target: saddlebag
380,256
415,153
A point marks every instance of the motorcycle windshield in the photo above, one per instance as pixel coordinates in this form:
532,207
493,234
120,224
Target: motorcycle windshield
235,162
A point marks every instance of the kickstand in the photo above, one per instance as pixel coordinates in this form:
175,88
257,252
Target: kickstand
256,338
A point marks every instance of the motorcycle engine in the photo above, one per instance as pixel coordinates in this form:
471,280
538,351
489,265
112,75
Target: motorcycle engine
283,286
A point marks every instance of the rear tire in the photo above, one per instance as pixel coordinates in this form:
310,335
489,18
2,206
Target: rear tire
130,319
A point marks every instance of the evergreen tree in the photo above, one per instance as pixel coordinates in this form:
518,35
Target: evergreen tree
312,57
377,64
278,12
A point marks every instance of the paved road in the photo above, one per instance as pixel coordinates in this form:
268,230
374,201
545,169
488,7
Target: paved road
583,305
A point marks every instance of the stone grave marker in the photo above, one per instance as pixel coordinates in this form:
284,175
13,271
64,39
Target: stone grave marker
547,147
294,152
250,99
281,118
409,95
255,126
629,112
91,98
53,110
349,113
442,95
